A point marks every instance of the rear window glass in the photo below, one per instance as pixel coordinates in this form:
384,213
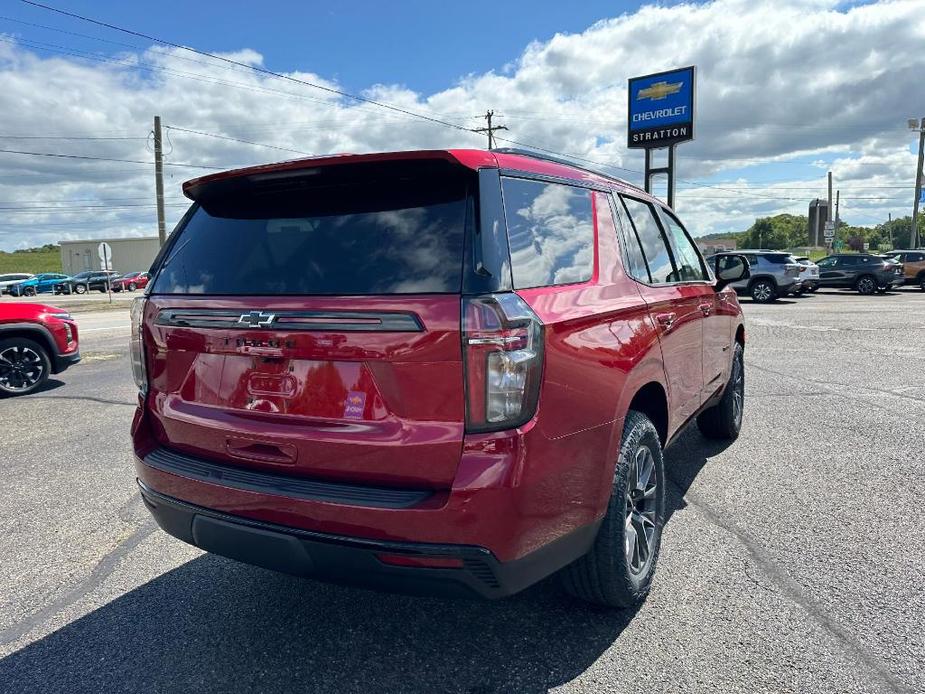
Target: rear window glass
402,235
550,232
776,258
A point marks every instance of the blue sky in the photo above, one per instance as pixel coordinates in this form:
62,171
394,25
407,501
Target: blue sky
424,44
777,105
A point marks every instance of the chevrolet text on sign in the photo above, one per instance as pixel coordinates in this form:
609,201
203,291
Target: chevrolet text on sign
661,109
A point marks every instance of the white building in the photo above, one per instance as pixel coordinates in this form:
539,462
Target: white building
128,254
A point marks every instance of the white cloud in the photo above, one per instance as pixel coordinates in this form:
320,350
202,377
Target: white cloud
776,80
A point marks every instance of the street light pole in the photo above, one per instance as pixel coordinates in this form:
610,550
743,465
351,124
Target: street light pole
920,127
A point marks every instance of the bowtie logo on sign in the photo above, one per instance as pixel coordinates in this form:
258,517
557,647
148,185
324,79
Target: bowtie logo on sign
659,90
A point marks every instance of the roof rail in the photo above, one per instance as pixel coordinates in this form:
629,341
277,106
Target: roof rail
560,160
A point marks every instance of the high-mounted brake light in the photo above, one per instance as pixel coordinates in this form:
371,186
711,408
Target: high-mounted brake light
136,345
503,353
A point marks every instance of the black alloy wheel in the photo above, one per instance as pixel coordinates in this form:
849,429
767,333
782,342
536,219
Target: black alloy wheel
24,366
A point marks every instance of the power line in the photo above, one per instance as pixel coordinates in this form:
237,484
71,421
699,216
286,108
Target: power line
87,157
255,68
78,208
235,139
113,43
64,137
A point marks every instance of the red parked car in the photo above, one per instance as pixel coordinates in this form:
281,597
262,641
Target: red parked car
35,341
130,282
446,372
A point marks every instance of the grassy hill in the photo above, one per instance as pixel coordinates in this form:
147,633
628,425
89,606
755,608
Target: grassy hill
34,260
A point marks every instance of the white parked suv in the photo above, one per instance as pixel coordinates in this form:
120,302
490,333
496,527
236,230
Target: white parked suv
809,274
6,281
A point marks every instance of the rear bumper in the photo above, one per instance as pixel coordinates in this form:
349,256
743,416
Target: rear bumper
470,570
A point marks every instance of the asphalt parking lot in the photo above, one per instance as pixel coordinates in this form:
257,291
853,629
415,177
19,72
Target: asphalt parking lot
792,560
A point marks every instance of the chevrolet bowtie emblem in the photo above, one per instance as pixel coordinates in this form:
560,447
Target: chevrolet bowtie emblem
660,90
257,319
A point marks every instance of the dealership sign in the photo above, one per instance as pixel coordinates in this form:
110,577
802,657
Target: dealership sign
661,109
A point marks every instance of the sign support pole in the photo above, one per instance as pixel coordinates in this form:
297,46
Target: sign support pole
668,170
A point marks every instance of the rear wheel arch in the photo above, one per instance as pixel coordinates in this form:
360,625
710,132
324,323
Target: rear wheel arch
652,400
758,278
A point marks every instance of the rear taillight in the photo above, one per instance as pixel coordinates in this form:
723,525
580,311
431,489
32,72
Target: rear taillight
136,345
503,353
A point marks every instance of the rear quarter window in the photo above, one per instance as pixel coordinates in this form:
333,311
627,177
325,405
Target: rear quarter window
550,232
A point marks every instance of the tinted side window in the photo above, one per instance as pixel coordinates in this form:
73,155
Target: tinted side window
751,258
849,261
550,232
690,267
635,261
776,258
915,258
654,248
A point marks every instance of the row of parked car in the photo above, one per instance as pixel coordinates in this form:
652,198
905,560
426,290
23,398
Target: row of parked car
775,274
23,284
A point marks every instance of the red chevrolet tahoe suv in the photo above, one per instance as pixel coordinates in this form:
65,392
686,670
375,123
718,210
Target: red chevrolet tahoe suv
447,372
35,341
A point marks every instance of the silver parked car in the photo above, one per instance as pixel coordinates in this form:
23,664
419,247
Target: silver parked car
773,274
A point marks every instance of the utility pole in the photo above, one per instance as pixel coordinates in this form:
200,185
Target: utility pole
837,220
920,127
159,181
889,227
490,129
828,213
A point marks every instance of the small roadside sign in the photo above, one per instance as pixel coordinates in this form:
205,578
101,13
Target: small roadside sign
105,252
829,231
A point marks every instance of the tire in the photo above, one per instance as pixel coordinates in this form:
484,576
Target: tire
24,366
922,282
763,291
866,285
724,419
132,286
612,573
80,289
28,291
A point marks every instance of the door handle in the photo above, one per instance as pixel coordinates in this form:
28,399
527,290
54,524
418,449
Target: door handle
666,320
706,308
